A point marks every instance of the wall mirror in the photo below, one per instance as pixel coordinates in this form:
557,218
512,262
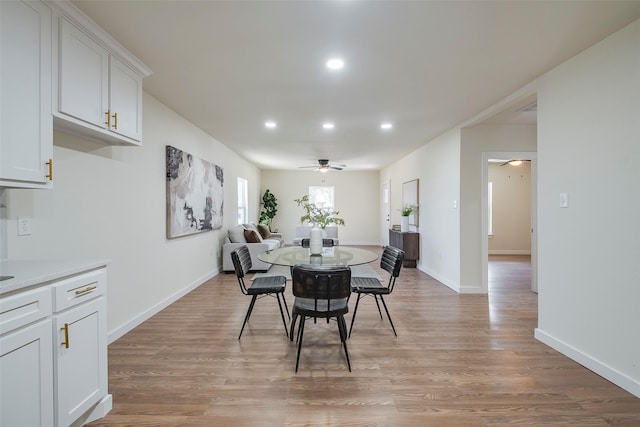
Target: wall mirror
410,197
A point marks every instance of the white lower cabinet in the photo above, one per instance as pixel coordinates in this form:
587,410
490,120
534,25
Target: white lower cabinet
80,360
53,353
26,388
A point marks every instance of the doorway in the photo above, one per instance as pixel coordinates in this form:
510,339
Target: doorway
531,157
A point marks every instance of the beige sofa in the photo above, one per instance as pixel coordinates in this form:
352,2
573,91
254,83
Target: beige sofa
237,237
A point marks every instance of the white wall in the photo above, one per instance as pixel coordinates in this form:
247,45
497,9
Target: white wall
357,197
437,166
109,202
589,147
511,209
475,141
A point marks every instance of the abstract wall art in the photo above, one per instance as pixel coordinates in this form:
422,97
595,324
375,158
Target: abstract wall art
194,194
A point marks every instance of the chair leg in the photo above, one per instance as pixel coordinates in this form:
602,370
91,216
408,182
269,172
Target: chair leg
342,327
286,306
284,322
378,304
388,315
246,317
293,325
355,310
300,333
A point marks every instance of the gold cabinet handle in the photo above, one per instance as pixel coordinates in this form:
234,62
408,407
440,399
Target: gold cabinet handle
50,164
65,328
115,120
85,290
108,122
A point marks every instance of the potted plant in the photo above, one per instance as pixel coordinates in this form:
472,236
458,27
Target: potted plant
404,221
319,219
269,204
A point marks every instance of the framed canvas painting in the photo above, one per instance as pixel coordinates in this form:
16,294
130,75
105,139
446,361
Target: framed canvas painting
194,194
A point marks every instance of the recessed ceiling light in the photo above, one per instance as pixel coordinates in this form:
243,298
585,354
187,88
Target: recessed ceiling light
335,64
270,125
328,125
386,126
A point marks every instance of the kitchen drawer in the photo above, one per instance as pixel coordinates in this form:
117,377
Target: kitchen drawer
78,289
24,308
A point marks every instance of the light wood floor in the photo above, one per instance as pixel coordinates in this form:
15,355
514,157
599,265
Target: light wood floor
459,360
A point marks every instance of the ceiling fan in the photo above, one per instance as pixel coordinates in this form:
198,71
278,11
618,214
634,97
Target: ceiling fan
514,162
324,166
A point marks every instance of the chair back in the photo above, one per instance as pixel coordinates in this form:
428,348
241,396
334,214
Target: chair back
326,243
242,264
321,282
391,261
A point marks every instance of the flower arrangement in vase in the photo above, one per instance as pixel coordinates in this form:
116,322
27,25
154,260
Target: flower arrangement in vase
320,219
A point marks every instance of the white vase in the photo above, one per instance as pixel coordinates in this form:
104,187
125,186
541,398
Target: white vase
404,224
315,240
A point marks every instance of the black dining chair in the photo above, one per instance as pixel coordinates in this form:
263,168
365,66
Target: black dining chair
260,287
391,261
326,243
320,291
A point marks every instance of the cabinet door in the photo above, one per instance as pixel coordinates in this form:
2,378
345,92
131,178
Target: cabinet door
80,359
125,100
26,389
83,68
26,132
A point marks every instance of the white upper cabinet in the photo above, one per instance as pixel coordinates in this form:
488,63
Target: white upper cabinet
83,77
98,89
26,132
125,100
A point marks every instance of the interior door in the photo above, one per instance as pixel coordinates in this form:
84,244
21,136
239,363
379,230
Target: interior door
385,210
534,225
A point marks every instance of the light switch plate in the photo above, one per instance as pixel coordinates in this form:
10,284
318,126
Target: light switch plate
564,200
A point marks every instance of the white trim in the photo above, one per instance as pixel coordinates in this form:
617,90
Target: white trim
145,315
605,371
510,252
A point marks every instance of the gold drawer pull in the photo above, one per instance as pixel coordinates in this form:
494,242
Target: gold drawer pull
50,164
108,122
85,290
65,328
115,120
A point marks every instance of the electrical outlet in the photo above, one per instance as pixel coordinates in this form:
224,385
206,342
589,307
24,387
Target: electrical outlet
24,226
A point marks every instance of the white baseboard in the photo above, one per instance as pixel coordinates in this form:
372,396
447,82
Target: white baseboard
510,252
101,409
605,371
120,331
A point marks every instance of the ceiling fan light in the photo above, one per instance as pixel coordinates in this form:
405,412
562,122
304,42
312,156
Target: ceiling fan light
515,162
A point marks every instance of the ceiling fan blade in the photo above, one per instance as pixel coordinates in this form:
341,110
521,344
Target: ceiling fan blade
515,160
335,167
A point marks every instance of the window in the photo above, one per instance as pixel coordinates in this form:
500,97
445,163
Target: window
322,196
243,201
490,205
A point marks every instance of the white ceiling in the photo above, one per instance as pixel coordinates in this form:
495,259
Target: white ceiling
425,66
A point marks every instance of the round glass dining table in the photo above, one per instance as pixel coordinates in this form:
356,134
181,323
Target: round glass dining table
337,255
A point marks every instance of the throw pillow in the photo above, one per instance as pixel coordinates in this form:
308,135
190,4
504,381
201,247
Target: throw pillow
264,231
252,236
236,234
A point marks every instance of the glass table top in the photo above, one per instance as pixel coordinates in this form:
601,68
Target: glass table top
337,255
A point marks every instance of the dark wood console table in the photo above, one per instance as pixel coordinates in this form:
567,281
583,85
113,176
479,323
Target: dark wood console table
409,242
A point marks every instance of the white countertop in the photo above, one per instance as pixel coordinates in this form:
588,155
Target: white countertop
36,272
